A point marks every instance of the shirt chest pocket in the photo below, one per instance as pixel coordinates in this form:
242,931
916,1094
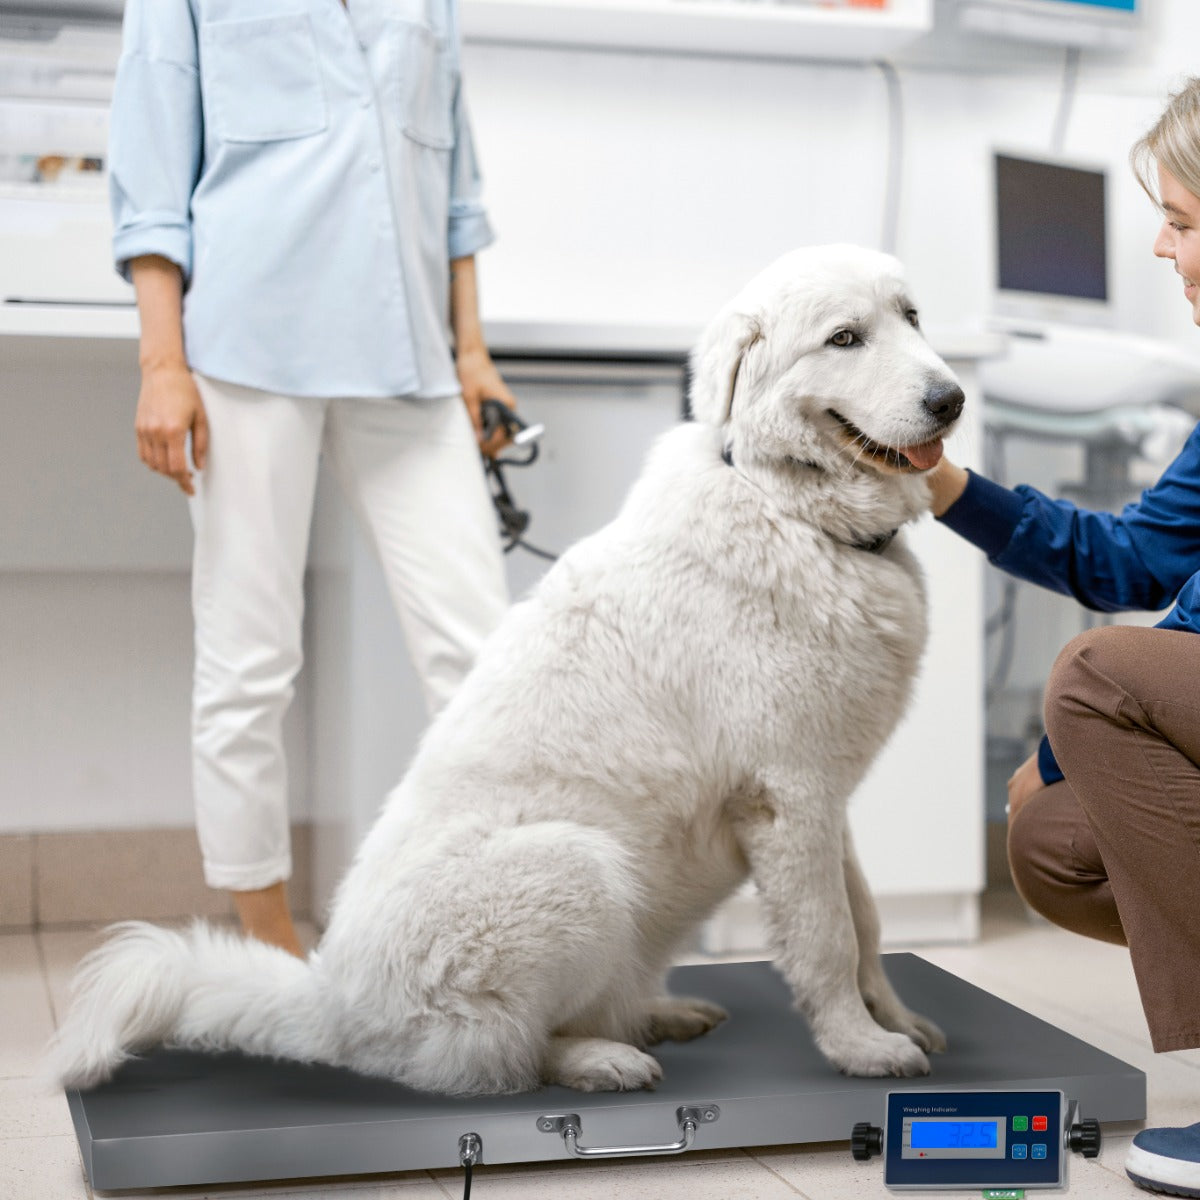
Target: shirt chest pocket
420,84
262,79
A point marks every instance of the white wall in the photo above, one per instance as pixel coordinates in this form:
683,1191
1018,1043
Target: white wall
650,187
624,188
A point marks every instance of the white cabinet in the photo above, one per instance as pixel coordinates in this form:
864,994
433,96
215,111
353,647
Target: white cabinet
725,27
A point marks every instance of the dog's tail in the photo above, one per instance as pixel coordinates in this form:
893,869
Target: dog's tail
202,988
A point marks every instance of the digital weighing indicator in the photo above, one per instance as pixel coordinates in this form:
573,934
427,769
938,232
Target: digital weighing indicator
988,1139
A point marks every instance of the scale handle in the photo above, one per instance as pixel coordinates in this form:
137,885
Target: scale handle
689,1118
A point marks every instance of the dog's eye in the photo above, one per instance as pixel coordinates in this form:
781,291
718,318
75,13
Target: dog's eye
845,337
910,315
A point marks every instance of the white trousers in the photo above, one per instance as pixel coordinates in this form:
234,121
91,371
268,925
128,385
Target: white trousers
412,474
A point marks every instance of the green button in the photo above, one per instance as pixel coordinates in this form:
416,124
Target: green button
1003,1194
1020,1124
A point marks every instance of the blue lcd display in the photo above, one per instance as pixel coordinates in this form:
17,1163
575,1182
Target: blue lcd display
954,1135
1123,5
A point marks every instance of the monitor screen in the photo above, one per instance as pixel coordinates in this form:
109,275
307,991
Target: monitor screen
1051,236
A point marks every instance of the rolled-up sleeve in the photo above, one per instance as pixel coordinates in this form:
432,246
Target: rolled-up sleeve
156,134
469,228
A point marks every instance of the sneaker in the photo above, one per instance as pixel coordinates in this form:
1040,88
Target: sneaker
1166,1160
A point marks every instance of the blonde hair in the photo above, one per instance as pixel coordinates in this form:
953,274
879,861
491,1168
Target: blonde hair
1173,143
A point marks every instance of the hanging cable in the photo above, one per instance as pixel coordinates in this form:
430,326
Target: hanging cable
1066,100
895,157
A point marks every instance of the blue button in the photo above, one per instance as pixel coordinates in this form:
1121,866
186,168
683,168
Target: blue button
1020,1150
1039,1150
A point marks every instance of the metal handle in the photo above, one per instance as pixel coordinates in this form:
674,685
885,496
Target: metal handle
688,1117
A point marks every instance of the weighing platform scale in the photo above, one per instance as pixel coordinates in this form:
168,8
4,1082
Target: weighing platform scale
177,1117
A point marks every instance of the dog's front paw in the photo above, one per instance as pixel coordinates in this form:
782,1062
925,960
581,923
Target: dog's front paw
681,1018
925,1033
899,1019
878,1054
599,1065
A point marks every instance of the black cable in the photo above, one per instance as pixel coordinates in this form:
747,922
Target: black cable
470,1150
513,520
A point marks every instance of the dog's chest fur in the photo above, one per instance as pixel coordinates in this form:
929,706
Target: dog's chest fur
807,632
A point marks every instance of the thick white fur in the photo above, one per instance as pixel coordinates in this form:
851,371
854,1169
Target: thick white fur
690,695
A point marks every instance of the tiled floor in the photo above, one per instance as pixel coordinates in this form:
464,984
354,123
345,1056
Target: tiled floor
1083,987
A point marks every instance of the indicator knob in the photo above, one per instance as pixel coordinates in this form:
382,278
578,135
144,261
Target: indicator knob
867,1139
1084,1138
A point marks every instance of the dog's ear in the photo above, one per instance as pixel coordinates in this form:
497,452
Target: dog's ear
716,364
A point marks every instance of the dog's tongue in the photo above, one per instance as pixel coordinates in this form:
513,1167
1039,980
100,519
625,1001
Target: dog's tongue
924,456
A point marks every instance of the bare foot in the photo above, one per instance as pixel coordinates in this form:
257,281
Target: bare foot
264,915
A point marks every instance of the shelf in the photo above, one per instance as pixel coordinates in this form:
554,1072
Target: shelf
721,27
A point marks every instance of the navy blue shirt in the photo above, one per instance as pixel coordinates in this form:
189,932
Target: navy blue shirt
1145,557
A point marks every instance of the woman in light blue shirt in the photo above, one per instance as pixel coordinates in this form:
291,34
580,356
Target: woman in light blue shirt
296,200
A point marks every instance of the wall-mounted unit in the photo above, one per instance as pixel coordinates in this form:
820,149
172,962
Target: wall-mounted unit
722,27
1097,23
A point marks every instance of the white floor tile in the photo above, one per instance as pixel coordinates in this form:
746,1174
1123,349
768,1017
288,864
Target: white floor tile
61,951
827,1172
25,1018
28,1111
687,1178
41,1168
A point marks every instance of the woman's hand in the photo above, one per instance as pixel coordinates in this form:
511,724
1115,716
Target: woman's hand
946,483
481,381
169,409
1025,780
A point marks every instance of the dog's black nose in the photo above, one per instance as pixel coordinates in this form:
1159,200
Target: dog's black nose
944,401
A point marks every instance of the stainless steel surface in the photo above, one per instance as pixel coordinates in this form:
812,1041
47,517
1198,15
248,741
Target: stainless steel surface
175,1117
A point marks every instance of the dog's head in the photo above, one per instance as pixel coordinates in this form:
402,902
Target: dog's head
820,360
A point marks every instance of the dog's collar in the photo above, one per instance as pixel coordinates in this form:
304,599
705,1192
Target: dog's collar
875,545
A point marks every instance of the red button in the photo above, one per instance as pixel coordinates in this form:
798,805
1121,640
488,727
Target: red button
1039,1123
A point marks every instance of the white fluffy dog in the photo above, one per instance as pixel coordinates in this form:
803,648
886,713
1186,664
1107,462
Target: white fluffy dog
690,695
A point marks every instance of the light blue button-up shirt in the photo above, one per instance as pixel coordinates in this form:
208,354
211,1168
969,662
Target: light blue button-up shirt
310,168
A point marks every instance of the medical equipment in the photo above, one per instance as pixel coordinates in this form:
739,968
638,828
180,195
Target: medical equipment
496,415
993,1139
177,1117
1051,264
1100,23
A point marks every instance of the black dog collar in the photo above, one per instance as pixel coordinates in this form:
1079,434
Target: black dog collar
876,545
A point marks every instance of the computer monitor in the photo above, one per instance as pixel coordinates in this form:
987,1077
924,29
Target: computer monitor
1051,240
1099,23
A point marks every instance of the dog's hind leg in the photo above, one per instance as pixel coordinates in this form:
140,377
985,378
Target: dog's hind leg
520,936
598,1065
877,992
680,1018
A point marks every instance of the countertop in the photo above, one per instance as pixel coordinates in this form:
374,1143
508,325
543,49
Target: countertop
511,338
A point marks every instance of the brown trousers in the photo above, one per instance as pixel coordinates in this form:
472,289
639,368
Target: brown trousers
1113,851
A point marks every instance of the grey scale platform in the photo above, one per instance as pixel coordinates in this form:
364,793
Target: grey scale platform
176,1117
